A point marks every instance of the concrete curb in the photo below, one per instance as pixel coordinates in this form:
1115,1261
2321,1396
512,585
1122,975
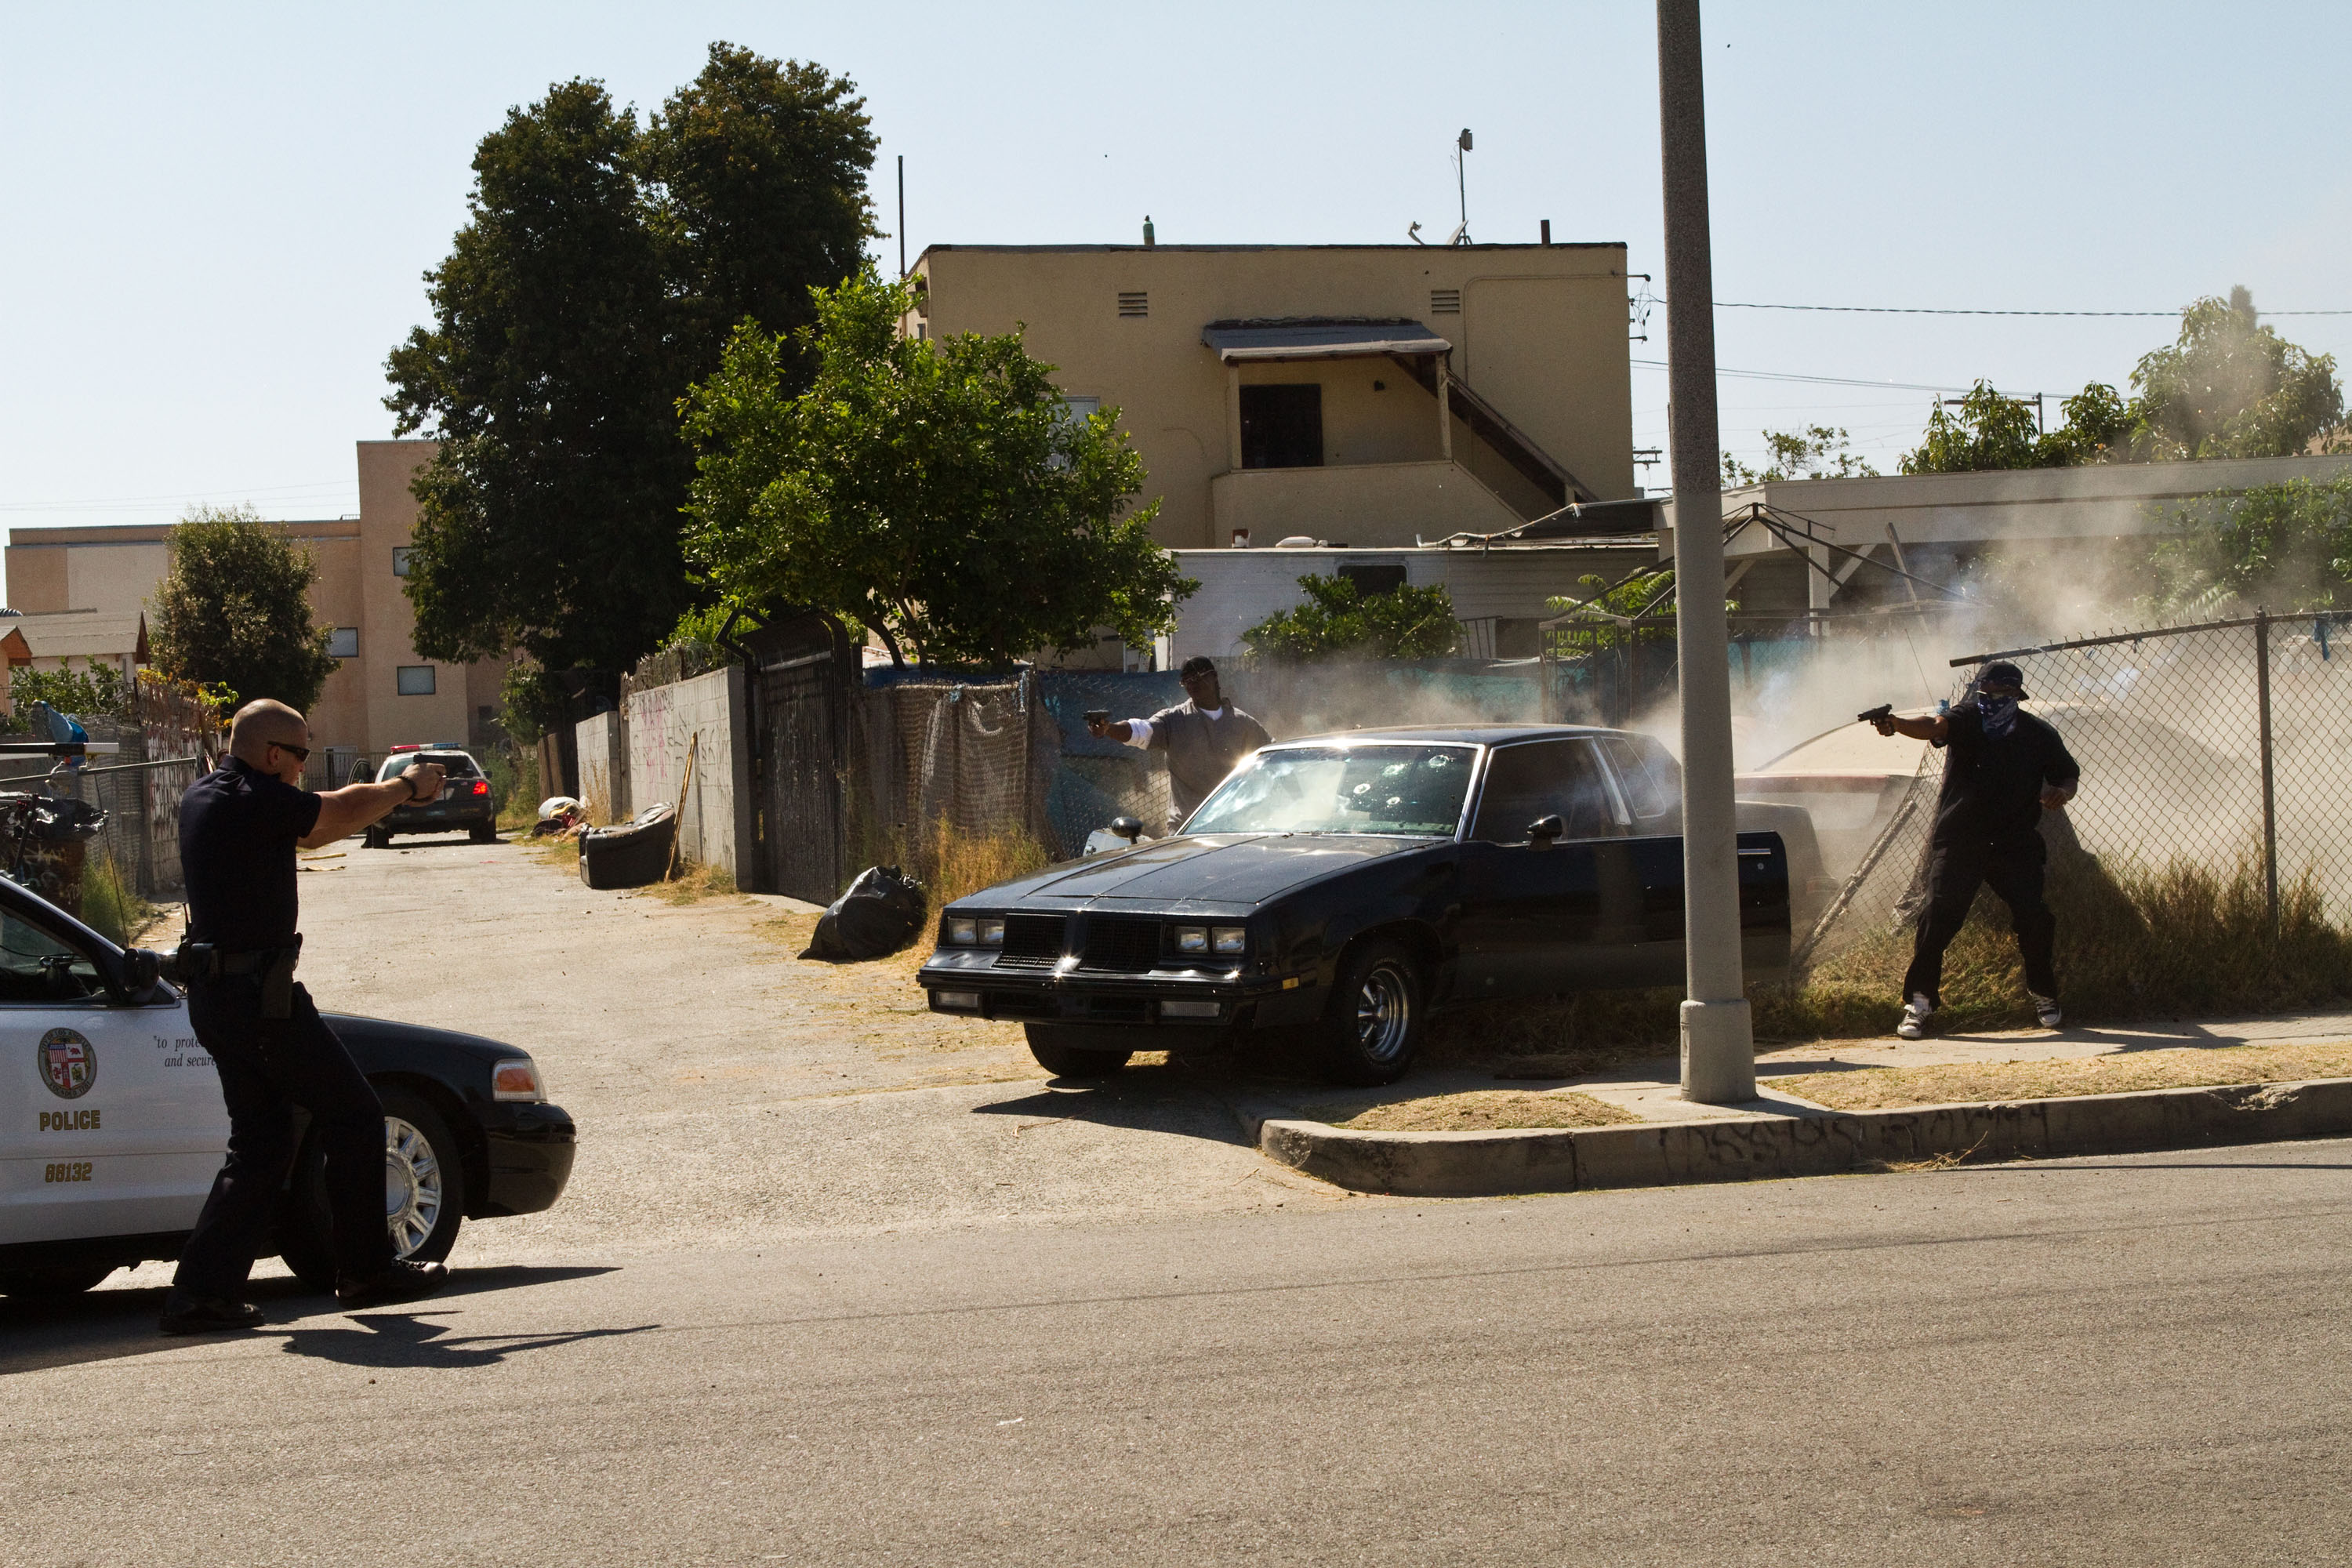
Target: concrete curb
1666,1153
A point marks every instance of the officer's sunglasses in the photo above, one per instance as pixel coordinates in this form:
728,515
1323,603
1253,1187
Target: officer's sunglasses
302,753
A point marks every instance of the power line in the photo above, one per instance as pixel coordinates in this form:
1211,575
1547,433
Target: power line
1942,310
1817,380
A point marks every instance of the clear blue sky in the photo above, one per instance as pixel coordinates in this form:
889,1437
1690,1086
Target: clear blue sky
218,216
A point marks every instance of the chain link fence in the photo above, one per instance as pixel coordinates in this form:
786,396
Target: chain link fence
2214,747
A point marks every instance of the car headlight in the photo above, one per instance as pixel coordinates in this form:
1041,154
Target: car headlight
962,930
1191,939
992,931
1228,939
517,1077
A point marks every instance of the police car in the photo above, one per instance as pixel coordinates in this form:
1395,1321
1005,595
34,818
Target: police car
111,1126
465,803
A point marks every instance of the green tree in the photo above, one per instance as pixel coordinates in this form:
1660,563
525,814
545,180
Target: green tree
597,275
1643,593
1405,622
234,610
99,689
2288,546
756,176
2231,387
1986,430
936,492
1816,452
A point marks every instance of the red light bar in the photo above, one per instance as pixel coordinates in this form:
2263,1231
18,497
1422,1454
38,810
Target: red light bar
410,747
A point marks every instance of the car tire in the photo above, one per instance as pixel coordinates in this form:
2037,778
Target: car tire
54,1282
485,833
1069,1050
376,838
1377,1009
421,1154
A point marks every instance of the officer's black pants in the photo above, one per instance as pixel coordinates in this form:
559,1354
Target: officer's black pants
2013,866
267,1067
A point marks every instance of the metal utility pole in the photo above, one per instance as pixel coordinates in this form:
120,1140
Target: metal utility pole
902,215
1718,1045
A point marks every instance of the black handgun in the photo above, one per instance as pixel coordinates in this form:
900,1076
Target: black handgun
1884,711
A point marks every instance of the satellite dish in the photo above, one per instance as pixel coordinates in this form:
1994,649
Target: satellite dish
1460,234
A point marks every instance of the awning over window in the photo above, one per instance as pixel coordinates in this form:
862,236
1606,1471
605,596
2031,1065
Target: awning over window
1237,342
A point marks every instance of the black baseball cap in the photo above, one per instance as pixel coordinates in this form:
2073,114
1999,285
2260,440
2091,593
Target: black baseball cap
2000,672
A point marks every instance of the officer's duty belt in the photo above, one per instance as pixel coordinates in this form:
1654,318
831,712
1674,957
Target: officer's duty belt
202,961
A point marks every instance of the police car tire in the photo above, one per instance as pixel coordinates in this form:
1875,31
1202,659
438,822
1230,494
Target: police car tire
1073,1050
54,1282
376,838
486,834
305,1235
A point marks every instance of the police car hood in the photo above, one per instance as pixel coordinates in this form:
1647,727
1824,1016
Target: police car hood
1223,868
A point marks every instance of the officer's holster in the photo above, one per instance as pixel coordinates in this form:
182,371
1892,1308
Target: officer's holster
202,961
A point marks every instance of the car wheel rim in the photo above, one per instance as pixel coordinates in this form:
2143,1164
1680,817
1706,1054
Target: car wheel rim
1383,1014
412,1186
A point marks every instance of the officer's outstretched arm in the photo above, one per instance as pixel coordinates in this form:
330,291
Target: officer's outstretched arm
343,812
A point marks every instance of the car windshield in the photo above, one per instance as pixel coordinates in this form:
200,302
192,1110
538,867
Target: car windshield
454,765
1411,790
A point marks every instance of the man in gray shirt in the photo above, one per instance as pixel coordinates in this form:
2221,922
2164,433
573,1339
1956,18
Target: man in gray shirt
1203,738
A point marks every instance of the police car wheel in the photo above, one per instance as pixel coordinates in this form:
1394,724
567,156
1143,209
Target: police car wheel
1069,1050
54,1282
376,838
424,1194
485,833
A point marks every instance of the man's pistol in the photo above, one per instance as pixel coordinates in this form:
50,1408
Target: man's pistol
1884,711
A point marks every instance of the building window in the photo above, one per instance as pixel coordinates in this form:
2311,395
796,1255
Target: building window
400,561
1446,301
414,680
1134,303
343,642
1282,426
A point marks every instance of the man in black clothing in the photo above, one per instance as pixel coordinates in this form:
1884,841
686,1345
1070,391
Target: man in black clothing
2003,769
239,825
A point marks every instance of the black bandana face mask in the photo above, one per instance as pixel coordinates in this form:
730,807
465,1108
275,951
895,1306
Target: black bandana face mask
1999,712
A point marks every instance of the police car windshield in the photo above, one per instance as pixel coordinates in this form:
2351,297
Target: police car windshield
456,765
1406,790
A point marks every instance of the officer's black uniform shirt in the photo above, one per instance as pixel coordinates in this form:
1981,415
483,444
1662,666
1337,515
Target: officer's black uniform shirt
238,827
1992,786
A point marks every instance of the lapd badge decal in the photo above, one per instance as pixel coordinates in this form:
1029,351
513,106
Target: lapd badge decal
68,1064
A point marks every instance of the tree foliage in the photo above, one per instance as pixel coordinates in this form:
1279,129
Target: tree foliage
1816,452
2229,387
600,267
1614,609
234,610
99,690
2288,546
936,492
1404,622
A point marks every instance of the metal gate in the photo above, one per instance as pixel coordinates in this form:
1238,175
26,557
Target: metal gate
800,678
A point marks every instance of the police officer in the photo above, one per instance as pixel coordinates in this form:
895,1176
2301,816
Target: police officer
239,825
1203,736
2003,769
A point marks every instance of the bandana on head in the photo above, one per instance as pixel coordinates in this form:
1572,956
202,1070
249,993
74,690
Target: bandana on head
1999,713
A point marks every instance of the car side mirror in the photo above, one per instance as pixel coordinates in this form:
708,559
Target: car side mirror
137,971
1127,828
1543,830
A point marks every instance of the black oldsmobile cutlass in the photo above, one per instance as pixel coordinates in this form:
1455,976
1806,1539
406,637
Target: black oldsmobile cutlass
1344,888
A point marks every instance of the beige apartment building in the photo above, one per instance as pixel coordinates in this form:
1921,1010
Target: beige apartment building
86,589
1365,394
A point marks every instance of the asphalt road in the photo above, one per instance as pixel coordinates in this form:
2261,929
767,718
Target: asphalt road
2128,1360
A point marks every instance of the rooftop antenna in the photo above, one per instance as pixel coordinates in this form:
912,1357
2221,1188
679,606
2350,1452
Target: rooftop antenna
902,215
1461,235
1413,233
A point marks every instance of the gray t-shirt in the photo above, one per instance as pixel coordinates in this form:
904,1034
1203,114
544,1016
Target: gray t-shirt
1200,750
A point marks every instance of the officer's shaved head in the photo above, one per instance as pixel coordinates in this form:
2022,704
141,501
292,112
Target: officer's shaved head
262,723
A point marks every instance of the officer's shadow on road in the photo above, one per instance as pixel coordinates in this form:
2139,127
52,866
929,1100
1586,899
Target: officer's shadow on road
109,1325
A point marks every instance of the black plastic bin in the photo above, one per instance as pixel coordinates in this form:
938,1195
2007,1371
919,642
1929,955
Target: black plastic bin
632,854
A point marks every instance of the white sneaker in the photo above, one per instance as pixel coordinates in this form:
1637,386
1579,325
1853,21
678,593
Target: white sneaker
2046,1009
1916,1014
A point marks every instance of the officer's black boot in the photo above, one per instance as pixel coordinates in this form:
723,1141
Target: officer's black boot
200,1315
399,1282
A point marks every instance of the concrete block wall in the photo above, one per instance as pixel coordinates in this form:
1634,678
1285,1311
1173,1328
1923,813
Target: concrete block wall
604,752
708,720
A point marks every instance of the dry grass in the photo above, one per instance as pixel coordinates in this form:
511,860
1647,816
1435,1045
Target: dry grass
1888,1088
1481,1111
694,883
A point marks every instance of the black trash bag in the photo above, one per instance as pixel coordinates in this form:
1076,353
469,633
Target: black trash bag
877,916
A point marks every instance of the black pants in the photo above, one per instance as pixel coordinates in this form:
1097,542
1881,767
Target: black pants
2013,866
267,1067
